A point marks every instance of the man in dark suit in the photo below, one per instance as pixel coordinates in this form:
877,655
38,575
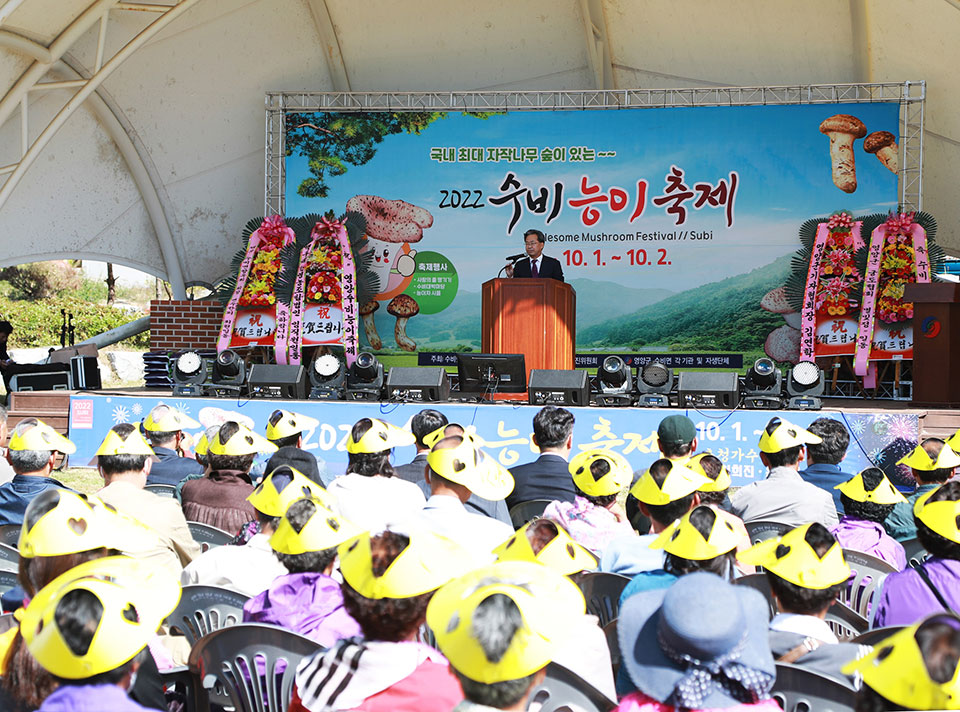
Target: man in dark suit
535,264
547,477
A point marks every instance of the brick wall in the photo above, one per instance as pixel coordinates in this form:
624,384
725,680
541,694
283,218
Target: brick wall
184,324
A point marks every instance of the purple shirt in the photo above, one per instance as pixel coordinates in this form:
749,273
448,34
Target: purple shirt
869,538
905,599
90,698
310,604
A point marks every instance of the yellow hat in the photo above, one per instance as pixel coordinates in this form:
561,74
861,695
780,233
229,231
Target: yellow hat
324,530
381,436
679,482
163,418
288,424
781,435
895,669
618,476
720,484
136,598
884,493
798,563
467,465
547,602
683,539
34,434
116,444
941,516
432,438
268,499
427,562
203,444
954,441
562,553
242,442
919,459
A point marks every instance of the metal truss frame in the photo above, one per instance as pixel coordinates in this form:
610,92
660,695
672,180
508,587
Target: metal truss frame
909,95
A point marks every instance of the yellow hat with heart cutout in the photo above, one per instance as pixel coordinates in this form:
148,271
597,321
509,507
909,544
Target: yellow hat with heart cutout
793,559
469,466
281,488
432,438
883,493
163,418
203,444
683,539
381,436
617,476
243,442
723,480
562,553
323,530
34,434
941,516
782,435
284,423
133,444
679,482
919,459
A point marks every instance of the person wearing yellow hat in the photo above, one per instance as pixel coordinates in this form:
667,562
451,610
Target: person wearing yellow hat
784,496
164,427
932,462
867,499
824,458
369,494
806,570
219,498
499,627
306,600
389,578
934,585
917,668
286,429
594,517
33,452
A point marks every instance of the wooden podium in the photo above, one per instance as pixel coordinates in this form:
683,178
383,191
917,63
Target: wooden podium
936,343
533,317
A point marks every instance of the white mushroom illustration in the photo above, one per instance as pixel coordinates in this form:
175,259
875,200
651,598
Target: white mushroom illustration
843,130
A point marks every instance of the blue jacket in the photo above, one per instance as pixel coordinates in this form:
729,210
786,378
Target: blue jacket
826,477
546,478
16,494
171,468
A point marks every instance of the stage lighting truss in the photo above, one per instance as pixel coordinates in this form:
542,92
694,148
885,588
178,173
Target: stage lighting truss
654,385
229,375
614,383
763,385
189,374
327,378
805,386
365,378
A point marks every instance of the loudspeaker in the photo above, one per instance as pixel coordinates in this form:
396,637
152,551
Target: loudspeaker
429,384
270,380
552,387
41,381
708,389
86,373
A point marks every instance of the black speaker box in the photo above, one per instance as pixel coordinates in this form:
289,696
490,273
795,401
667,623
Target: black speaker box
270,380
410,383
551,387
41,381
86,373
708,389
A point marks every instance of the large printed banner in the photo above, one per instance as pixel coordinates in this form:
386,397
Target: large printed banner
672,224
507,429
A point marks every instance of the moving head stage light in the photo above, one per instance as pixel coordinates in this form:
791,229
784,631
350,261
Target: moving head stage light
614,382
229,374
365,378
763,385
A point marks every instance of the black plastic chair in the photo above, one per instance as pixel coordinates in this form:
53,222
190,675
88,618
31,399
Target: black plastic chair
205,609
799,689
10,534
877,635
868,575
207,536
564,691
602,594
9,558
761,531
916,554
162,490
613,642
242,660
523,512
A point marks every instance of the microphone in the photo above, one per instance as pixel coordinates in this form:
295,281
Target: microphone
514,258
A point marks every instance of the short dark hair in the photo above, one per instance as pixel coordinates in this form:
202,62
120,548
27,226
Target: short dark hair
933,446
540,235
797,599
118,464
496,621
6,327
552,426
711,466
665,514
158,437
674,450
298,514
425,422
367,464
782,458
868,511
937,544
835,438
702,518
598,468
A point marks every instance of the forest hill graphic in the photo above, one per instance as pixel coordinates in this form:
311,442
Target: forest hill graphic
656,236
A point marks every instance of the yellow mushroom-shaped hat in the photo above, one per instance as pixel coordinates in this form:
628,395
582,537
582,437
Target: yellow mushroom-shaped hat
920,459
284,423
720,484
793,559
467,465
163,418
781,435
381,436
618,472
281,488
203,444
243,442
562,553
883,493
34,434
683,539
323,530
132,444
679,482
941,516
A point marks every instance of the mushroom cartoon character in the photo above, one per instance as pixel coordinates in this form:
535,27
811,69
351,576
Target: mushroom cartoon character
403,307
843,130
366,313
392,225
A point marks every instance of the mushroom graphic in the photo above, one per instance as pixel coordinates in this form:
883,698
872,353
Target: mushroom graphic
366,313
390,223
843,130
884,145
403,307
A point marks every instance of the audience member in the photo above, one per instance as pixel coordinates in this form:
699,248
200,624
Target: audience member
699,645
806,570
784,496
677,437
915,668
219,498
388,580
934,585
306,600
164,428
422,424
32,452
200,449
499,627
933,463
547,477
285,429
594,517
715,494
369,494
6,472
824,458
868,498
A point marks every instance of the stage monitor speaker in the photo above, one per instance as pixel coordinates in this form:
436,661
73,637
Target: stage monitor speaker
708,389
410,383
86,373
270,380
41,381
557,387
